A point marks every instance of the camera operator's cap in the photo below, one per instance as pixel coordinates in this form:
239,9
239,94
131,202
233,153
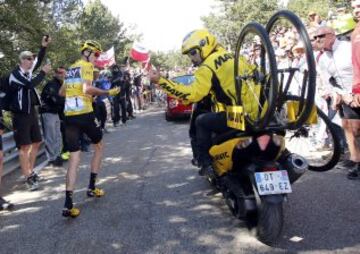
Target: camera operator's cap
25,54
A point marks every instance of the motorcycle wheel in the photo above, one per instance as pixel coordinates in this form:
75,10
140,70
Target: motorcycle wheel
270,223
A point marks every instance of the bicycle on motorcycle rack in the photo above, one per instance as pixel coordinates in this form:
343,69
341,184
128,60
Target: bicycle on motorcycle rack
255,170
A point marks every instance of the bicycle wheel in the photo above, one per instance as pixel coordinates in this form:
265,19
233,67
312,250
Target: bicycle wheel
318,144
256,89
290,37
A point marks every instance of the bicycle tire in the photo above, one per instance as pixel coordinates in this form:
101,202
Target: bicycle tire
336,147
308,92
269,83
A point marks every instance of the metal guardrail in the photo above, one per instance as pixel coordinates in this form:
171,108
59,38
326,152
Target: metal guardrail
11,154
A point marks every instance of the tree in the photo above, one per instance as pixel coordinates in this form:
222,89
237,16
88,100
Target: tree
97,23
303,7
234,14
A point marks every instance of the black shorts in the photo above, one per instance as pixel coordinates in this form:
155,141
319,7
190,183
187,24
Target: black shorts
76,125
347,112
1,145
26,128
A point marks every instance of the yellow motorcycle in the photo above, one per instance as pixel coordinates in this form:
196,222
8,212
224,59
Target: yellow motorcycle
254,170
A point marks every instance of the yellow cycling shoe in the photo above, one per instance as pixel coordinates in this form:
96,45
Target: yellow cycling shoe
65,156
95,193
73,212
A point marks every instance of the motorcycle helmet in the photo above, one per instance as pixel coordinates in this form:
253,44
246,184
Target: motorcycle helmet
201,40
91,45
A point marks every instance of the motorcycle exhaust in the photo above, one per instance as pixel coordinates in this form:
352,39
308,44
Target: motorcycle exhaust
295,165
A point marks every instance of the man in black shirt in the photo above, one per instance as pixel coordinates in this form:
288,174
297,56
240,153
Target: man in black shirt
52,106
119,80
23,102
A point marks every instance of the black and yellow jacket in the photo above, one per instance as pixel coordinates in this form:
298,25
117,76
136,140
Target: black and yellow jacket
215,76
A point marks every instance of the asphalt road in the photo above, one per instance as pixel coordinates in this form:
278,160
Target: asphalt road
156,203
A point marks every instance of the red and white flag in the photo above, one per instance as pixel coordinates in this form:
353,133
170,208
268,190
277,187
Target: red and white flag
106,58
139,53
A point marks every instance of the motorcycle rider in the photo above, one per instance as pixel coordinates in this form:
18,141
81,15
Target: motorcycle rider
214,76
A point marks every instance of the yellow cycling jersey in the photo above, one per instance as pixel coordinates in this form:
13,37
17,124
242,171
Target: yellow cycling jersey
215,76
76,101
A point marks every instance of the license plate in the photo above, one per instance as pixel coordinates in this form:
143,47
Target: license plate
274,182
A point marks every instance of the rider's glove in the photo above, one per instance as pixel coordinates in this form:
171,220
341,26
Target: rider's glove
114,91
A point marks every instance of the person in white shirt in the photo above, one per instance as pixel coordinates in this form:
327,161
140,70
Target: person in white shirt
336,73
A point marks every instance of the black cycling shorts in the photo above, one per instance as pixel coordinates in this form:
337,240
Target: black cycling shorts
1,143
76,125
347,112
26,128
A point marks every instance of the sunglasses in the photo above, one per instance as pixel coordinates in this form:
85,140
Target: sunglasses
192,52
320,36
29,58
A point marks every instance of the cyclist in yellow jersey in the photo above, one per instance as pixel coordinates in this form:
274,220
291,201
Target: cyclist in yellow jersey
215,75
80,118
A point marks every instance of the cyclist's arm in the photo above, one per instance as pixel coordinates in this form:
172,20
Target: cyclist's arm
89,89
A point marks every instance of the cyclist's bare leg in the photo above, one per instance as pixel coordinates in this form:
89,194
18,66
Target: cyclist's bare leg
96,160
72,170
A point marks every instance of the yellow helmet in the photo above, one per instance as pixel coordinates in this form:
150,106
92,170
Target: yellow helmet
202,40
343,24
92,45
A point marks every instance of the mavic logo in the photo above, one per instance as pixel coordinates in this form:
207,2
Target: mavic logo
222,59
172,91
221,156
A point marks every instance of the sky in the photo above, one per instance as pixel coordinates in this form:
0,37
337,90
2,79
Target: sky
163,23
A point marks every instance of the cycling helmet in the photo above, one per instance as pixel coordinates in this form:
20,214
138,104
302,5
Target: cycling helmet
343,24
92,45
202,40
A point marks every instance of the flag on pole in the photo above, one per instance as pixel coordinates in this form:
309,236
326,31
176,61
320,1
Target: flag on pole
139,53
106,58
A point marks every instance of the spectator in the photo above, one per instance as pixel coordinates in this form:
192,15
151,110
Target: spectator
116,81
23,102
351,106
4,205
99,104
315,20
52,106
335,70
127,88
138,90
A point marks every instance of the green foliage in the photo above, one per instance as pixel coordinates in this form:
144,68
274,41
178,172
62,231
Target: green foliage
303,7
234,14
169,60
24,22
